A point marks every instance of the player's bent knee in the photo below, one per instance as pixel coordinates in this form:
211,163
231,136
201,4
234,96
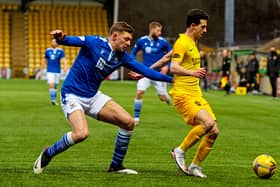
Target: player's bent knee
209,125
129,124
80,135
139,94
214,132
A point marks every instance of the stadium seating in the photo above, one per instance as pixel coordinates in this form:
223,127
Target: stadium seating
72,19
5,57
40,19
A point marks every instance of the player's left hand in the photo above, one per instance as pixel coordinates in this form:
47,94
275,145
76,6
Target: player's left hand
135,76
58,34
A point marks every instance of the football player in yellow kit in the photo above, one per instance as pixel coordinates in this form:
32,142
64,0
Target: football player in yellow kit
187,95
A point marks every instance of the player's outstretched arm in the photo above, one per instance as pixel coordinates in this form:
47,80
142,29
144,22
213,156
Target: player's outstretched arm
163,61
63,39
176,69
148,72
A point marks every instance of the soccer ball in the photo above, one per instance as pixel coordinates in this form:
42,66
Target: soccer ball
264,166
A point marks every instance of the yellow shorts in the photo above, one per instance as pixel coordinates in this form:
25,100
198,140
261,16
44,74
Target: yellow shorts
188,106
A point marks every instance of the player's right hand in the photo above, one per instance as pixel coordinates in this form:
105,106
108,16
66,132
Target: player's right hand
201,72
135,76
58,34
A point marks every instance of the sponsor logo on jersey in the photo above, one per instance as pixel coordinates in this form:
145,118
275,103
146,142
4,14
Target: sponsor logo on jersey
100,63
52,57
148,50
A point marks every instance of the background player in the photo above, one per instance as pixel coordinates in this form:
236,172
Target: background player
187,95
52,58
98,58
225,71
273,68
154,47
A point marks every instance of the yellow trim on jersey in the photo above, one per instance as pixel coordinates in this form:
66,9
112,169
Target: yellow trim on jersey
186,54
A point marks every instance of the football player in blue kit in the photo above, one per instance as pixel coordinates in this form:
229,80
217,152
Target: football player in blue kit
52,58
153,47
80,95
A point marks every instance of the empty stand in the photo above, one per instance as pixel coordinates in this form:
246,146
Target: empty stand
25,36
17,43
72,19
5,52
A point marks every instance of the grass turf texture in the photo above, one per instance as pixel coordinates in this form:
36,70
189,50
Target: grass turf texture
249,126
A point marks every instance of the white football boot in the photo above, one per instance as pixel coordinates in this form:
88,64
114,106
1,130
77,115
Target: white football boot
122,170
41,162
194,170
179,158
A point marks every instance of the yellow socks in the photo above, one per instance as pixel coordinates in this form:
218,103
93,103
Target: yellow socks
204,149
193,136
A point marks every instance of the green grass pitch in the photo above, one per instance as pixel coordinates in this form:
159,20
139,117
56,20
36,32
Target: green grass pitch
249,126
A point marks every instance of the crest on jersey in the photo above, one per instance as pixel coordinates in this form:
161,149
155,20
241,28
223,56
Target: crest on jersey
197,103
176,55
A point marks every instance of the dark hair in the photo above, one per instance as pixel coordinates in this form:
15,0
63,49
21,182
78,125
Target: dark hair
121,27
154,24
194,16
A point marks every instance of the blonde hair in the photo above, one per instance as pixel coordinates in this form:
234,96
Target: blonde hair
121,27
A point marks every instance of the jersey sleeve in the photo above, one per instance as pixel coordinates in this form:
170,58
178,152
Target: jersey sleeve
135,49
132,64
78,41
167,46
62,54
178,53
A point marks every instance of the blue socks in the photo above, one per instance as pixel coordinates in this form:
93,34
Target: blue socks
52,94
61,145
137,108
121,147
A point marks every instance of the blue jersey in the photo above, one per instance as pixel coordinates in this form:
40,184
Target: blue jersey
53,57
95,61
153,50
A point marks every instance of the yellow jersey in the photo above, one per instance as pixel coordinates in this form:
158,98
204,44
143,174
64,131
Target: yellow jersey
186,54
